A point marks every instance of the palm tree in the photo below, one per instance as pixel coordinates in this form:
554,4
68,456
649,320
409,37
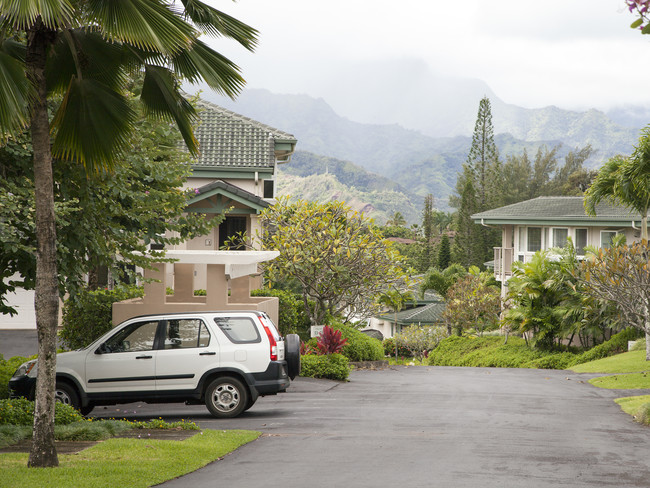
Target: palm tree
625,181
81,53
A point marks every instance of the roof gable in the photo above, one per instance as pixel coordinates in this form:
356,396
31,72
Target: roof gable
230,192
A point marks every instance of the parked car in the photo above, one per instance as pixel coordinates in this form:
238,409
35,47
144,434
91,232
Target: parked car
223,359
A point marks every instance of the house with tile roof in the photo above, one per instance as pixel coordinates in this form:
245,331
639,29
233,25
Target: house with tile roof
427,310
235,170
234,173
547,222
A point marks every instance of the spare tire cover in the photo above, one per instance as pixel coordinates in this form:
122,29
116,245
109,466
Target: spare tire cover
292,354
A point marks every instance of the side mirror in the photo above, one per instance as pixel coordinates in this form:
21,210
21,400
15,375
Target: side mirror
102,349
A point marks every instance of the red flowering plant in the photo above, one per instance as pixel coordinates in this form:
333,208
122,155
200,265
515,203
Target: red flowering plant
330,341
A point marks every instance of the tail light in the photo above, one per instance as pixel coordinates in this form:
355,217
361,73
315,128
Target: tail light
272,342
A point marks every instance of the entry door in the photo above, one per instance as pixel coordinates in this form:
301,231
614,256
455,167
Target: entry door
231,227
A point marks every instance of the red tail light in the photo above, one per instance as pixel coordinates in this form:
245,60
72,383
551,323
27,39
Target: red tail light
274,345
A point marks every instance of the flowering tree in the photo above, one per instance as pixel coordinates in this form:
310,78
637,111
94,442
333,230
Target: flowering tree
472,302
640,7
621,275
341,263
420,340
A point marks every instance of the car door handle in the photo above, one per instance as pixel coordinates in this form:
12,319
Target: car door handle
207,353
143,357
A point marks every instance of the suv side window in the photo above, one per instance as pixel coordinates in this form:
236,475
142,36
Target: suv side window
138,336
240,330
186,333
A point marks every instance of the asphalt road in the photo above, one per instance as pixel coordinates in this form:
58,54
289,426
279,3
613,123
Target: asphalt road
428,426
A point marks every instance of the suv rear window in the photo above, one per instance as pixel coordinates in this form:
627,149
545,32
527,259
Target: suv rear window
240,330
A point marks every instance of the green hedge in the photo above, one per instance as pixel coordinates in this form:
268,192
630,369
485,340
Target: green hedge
615,345
330,366
90,313
492,352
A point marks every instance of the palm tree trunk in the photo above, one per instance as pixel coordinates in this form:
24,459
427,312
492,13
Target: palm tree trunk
43,451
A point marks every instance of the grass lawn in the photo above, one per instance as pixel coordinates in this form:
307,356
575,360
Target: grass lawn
622,381
125,462
631,405
628,362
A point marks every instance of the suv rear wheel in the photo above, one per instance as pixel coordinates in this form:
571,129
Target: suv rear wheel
226,397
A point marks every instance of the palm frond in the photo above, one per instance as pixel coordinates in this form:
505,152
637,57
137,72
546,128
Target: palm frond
14,93
147,24
161,98
92,124
201,62
216,23
22,14
94,57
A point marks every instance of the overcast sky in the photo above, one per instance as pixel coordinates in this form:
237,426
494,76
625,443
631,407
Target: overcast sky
574,54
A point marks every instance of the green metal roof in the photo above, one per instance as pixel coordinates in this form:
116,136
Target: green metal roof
557,211
430,313
227,139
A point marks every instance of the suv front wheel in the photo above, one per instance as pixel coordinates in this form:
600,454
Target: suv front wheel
226,397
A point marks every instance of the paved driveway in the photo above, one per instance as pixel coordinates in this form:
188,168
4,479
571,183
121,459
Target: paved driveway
429,426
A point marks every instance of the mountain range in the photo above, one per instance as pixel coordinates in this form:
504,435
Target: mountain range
422,150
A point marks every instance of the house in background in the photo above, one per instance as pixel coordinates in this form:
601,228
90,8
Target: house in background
547,222
427,310
236,170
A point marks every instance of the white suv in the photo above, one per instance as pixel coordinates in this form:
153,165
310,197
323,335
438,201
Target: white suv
223,359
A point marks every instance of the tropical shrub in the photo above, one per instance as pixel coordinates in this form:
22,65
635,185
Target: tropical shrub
90,313
329,366
359,346
389,349
20,411
330,341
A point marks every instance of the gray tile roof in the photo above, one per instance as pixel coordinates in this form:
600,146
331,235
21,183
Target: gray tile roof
554,209
229,139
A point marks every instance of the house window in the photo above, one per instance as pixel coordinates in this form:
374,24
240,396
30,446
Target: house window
522,239
581,241
560,237
534,239
269,191
606,237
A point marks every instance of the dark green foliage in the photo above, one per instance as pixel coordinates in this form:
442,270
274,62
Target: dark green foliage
359,346
329,366
20,411
7,368
440,281
89,314
292,319
444,252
